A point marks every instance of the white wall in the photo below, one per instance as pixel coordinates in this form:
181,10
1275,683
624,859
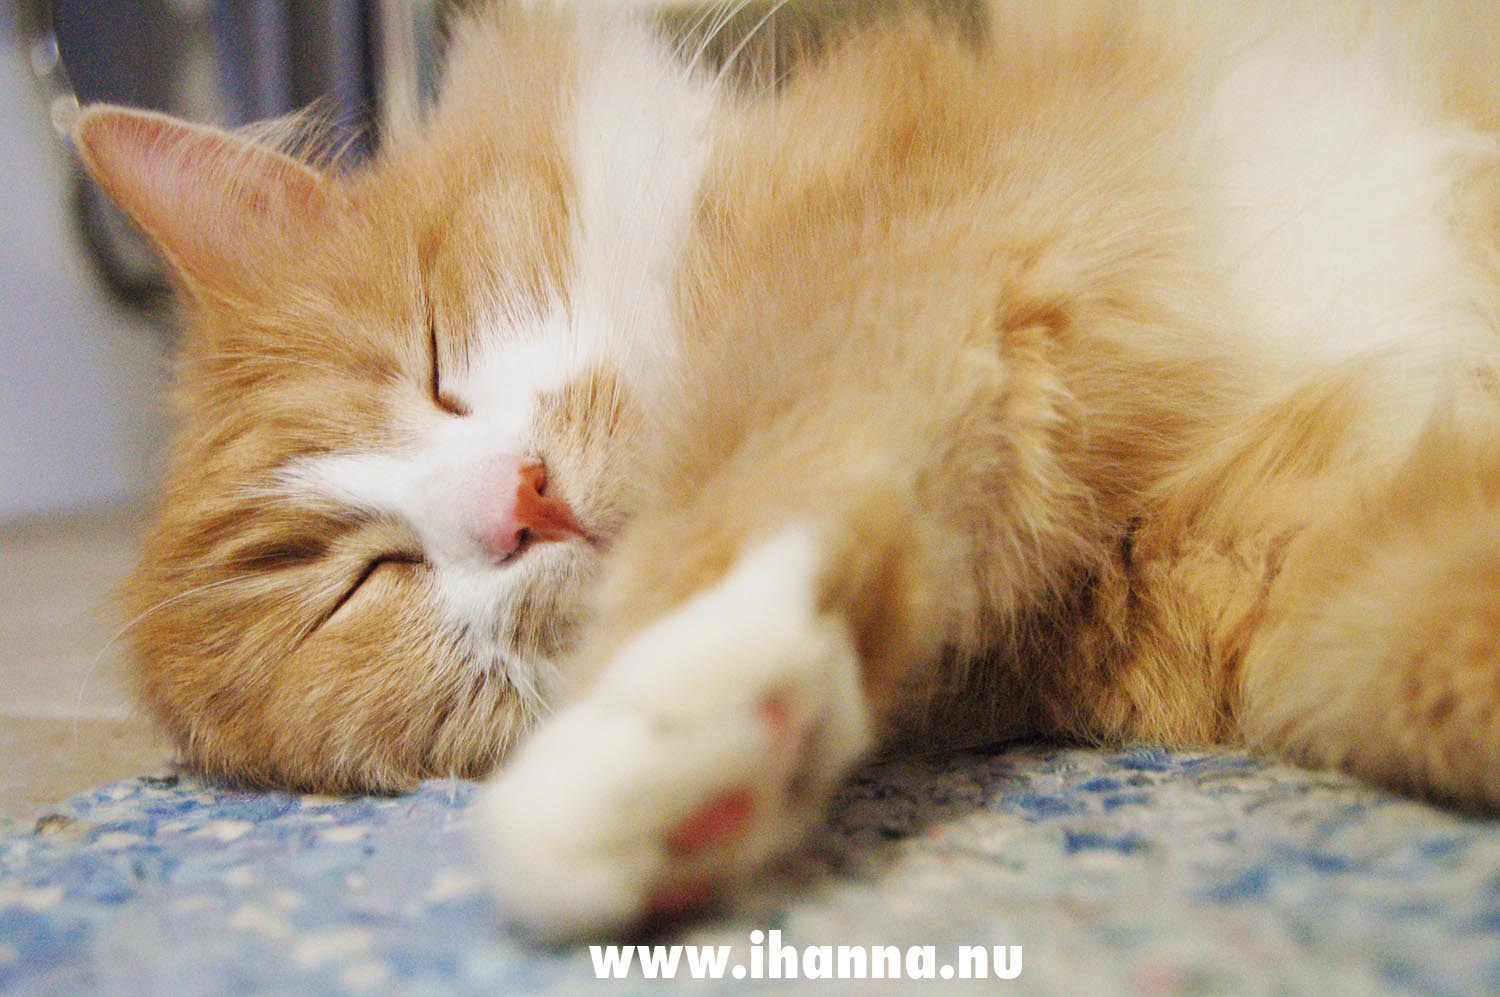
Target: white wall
81,381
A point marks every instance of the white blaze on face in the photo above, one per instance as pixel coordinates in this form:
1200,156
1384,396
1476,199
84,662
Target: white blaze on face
447,485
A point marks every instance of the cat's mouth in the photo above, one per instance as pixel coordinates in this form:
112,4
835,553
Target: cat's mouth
528,538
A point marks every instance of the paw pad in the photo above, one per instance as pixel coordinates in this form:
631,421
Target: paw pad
714,823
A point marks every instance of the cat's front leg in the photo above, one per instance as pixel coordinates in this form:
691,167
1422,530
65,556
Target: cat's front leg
709,742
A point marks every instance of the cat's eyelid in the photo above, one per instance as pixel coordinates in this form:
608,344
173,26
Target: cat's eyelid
372,566
445,402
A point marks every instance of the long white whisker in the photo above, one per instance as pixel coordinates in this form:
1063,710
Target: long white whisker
728,12
693,28
749,37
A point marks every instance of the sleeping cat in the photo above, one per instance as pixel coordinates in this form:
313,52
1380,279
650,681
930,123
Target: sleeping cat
1110,372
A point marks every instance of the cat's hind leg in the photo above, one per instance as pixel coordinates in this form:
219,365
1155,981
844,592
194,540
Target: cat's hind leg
1380,652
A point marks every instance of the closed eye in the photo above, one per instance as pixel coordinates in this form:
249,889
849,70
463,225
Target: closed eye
366,573
445,402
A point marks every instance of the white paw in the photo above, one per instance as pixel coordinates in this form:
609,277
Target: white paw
710,743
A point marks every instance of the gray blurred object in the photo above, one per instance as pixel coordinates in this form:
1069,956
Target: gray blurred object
275,57
230,62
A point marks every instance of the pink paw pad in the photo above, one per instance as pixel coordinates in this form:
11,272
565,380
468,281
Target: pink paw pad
719,820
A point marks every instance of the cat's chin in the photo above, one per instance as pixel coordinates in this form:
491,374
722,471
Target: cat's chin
538,622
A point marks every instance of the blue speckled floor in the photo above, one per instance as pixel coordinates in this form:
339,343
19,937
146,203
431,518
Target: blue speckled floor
1136,871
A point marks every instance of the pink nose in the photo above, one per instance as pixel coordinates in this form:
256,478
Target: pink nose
532,517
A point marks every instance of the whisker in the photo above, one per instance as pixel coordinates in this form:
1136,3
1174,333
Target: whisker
749,37
691,30
728,11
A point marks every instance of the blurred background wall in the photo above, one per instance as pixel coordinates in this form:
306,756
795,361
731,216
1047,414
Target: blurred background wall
81,417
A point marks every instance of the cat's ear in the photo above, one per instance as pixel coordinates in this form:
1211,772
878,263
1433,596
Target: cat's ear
203,195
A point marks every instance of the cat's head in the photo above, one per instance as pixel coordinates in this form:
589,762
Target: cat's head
407,403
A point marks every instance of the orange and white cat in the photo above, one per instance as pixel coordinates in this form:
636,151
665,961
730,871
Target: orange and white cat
1111,372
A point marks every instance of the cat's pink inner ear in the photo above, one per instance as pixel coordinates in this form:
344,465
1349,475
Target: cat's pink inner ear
200,193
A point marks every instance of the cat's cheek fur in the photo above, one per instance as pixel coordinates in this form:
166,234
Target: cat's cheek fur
371,700
708,744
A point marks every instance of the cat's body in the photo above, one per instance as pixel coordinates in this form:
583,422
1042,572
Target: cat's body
1129,373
